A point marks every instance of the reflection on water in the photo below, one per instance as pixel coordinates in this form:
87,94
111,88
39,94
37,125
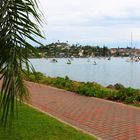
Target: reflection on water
106,72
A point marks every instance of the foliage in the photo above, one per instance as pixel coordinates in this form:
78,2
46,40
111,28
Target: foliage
62,50
126,95
17,29
129,95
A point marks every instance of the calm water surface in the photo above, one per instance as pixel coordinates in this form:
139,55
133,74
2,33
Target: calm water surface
106,72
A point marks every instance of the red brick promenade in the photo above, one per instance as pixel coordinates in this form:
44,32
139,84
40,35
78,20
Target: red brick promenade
104,119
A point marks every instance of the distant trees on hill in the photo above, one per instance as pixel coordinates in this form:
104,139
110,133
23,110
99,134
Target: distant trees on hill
65,50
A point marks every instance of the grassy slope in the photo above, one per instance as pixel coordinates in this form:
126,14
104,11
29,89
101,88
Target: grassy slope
33,125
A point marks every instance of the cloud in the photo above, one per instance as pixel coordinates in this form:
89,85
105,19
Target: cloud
91,20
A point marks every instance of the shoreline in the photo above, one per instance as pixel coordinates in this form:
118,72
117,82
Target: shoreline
117,92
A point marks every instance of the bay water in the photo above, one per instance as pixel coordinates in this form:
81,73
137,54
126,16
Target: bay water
105,72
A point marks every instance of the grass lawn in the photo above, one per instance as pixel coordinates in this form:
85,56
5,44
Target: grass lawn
34,125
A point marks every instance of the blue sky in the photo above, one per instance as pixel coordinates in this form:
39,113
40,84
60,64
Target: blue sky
93,22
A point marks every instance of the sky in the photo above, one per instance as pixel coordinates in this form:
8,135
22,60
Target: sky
92,22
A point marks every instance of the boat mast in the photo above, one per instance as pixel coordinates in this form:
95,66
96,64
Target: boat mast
131,40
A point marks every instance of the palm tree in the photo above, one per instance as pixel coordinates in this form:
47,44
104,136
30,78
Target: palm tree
17,29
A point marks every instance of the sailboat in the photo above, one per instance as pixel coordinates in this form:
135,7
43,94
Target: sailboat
109,58
132,58
69,61
94,62
53,60
88,60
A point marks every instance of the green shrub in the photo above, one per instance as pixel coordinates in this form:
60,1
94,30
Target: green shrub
102,93
131,99
126,95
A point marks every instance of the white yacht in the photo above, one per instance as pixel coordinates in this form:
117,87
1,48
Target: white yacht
69,61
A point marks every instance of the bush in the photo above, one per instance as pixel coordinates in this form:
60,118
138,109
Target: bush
34,77
127,95
130,100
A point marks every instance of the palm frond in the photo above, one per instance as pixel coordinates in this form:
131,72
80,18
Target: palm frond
17,29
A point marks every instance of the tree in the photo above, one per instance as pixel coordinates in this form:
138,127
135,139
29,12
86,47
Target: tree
17,29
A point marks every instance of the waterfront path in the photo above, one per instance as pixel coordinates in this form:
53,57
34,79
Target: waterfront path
104,119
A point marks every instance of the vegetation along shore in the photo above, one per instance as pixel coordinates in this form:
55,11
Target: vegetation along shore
117,92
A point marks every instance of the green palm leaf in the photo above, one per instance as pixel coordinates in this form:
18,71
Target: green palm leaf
16,27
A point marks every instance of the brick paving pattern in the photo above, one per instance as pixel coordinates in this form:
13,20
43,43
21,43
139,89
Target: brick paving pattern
104,119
